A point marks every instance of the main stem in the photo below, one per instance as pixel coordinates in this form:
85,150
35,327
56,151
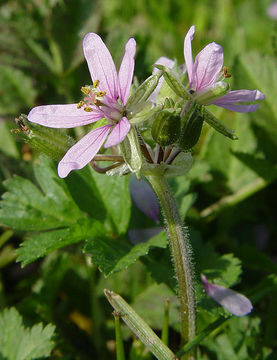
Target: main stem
181,251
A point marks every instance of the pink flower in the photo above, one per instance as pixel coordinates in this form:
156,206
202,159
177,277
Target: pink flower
206,75
106,98
237,304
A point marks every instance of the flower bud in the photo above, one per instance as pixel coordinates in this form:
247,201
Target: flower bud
209,94
191,123
166,128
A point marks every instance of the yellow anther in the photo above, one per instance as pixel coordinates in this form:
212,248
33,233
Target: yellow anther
80,104
96,83
85,90
101,93
225,72
88,109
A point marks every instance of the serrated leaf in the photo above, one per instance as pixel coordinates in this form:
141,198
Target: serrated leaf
113,255
39,245
25,207
19,343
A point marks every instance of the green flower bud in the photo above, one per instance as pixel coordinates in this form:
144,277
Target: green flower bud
192,123
131,151
215,91
142,93
166,128
51,142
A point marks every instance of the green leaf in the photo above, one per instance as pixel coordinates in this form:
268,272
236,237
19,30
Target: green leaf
7,142
150,305
25,207
255,71
19,343
16,90
113,255
39,245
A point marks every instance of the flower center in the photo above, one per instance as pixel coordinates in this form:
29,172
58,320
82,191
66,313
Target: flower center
93,97
112,109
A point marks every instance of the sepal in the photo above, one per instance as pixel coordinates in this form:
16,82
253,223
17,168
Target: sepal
166,127
141,94
218,125
130,149
180,166
52,142
174,82
192,122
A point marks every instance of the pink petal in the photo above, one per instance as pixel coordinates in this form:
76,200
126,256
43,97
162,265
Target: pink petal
100,63
272,11
83,151
208,64
118,133
125,74
238,108
165,62
144,198
233,301
188,56
62,116
238,96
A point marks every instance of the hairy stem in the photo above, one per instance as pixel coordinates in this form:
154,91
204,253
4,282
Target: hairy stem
181,252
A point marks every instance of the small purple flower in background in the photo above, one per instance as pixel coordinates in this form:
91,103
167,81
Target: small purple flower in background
106,98
237,304
205,79
272,11
144,198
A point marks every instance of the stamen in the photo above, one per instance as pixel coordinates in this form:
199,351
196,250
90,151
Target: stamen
225,72
101,93
85,90
80,104
88,109
96,83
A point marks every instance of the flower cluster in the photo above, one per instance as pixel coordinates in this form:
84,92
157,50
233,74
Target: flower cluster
108,95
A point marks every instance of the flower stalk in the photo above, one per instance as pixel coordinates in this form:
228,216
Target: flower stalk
181,252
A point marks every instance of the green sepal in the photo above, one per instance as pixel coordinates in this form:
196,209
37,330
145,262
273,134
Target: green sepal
191,127
52,142
174,82
147,113
180,166
130,149
142,93
166,127
218,125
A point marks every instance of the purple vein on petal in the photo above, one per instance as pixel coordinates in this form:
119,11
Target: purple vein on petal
101,64
62,116
125,74
118,133
208,64
236,303
83,151
188,55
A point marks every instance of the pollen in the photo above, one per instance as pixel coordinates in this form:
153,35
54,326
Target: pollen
96,83
101,93
80,104
88,109
85,90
